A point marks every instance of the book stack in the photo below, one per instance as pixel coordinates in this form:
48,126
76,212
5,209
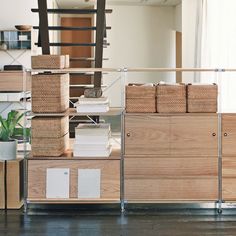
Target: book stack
92,140
85,105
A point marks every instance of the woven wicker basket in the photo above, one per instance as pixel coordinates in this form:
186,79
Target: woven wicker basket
49,127
50,61
50,93
49,147
171,98
202,98
140,99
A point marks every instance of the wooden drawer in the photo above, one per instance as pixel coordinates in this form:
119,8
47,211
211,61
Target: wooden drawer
171,178
171,189
229,167
194,135
228,135
146,134
157,167
14,81
110,176
229,189
229,178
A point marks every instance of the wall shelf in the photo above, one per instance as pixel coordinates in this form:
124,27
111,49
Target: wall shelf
15,40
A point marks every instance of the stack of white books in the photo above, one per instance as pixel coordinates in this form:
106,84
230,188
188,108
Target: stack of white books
85,105
92,140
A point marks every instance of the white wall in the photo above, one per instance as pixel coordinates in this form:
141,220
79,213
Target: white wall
189,27
15,12
141,36
178,18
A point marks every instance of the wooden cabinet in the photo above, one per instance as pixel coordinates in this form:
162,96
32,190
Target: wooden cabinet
228,135
11,184
167,178
147,134
109,183
229,178
171,157
194,135
2,185
229,157
171,135
13,81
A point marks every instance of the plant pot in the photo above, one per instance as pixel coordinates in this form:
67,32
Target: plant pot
8,150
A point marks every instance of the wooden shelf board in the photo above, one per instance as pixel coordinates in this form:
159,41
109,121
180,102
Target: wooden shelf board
114,111
168,156
171,201
68,155
73,201
171,177
170,114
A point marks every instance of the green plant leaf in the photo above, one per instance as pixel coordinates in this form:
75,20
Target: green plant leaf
7,126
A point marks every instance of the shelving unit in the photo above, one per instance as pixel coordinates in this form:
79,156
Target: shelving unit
110,167
193,163
15,40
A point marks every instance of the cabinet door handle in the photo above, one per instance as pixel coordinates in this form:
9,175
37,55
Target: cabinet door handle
225,134
128,134
214,134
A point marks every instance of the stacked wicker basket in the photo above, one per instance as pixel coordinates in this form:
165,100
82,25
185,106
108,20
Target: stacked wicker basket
171,98
50,95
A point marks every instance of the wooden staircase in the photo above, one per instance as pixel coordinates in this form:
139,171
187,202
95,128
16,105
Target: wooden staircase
77,87
100,29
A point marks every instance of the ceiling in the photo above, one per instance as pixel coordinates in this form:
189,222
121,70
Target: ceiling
88,3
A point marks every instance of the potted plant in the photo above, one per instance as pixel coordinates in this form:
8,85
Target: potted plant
8,145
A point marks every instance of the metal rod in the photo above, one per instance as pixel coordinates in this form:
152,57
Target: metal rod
25,143
74,70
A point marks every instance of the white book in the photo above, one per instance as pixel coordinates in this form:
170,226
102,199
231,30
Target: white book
92,101
93,129
89,183
93,153
58,183
98,147
82,108
93,140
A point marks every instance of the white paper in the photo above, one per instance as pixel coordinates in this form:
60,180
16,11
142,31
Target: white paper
89,183
58,183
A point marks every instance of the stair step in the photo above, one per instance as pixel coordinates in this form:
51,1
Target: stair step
85,86
85,59
72,11
71,28
73,44
81,86
82,73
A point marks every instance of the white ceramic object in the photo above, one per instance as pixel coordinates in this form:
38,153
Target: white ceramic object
8,150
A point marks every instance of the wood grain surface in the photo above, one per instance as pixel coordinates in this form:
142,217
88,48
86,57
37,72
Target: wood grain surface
110,176
153,168
228,135
147,135
171,189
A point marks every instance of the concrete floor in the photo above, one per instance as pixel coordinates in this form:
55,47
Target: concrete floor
189,222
